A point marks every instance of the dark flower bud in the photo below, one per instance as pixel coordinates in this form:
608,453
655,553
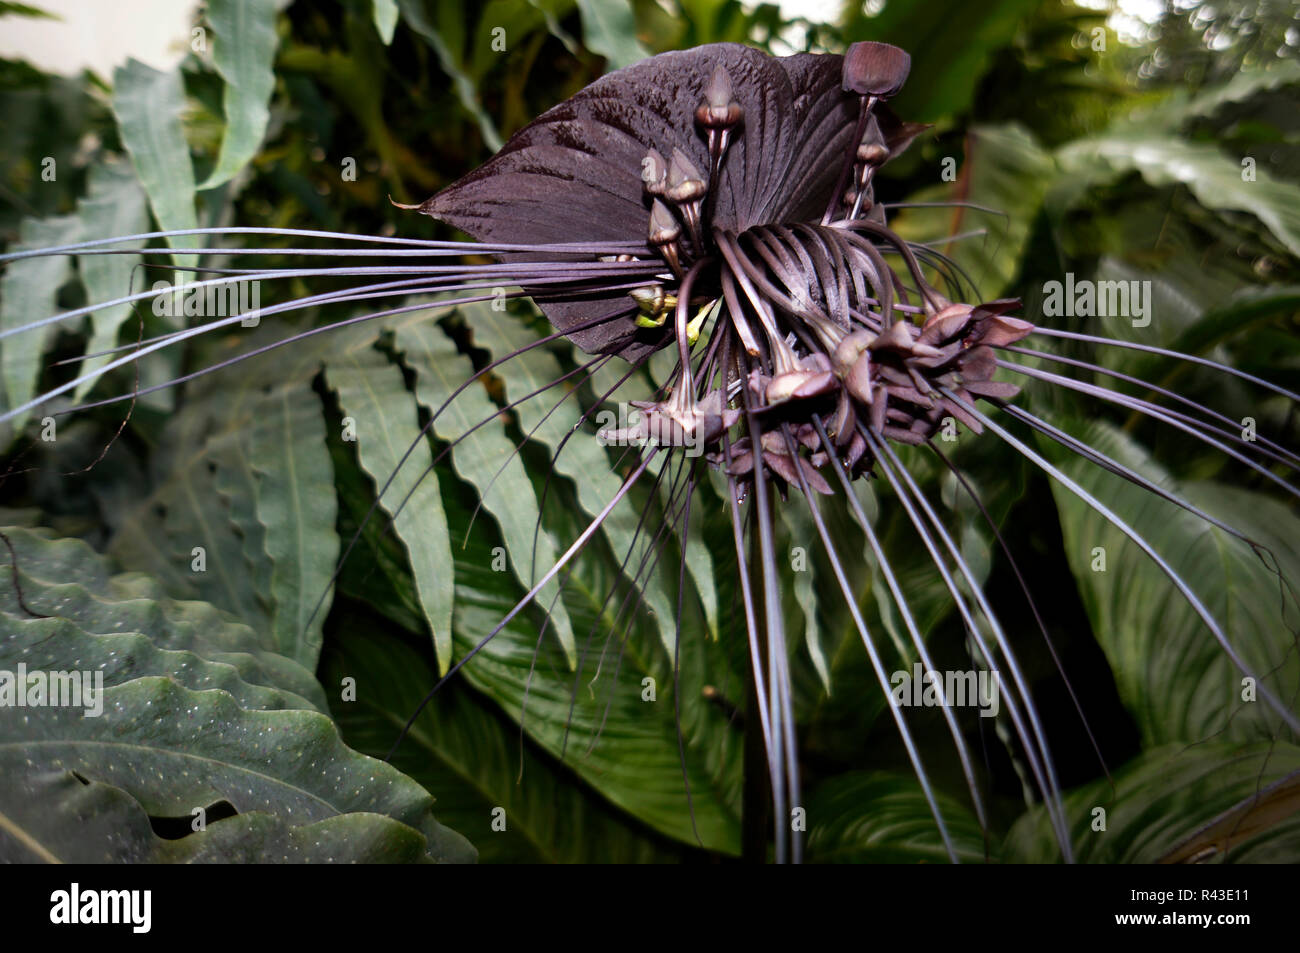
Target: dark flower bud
685,184
999,390
812,377
664,228
718,110
845,420
898,135
654,172
872,149
795,384
649,299
857,449
875,69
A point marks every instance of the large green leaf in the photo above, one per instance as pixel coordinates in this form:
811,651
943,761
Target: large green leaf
28,292
1216,180
296,507
245,475
384,415
148,106
486,458
174,750
243,53
65,819
1171,672
67,581
1166,801
802,532
582,459
58,645
1242,86
474,761
618,731
430,19
114,205
867,817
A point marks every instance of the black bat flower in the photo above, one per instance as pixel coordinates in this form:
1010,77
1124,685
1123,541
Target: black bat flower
722,203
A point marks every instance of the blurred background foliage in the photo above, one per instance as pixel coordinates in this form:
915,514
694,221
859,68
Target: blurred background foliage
1144,141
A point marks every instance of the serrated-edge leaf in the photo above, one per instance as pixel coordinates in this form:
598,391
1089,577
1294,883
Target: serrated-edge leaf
244,42
148,106
583,460
29,291
372,391
115,204
297,505
509,496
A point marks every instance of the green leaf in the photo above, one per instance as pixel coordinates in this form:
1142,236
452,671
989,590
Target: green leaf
1169,798
9,8
1243,86
1171,672
243,53
245,474
385,14
29,291
950,42
609,30
799,524
372,392
418,16
583,460
114,205
1216,180
64,819
296,506
601,719
174,750
473,762
1243,310
197,532
69,582
864,817
148,106
487,459
58,645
